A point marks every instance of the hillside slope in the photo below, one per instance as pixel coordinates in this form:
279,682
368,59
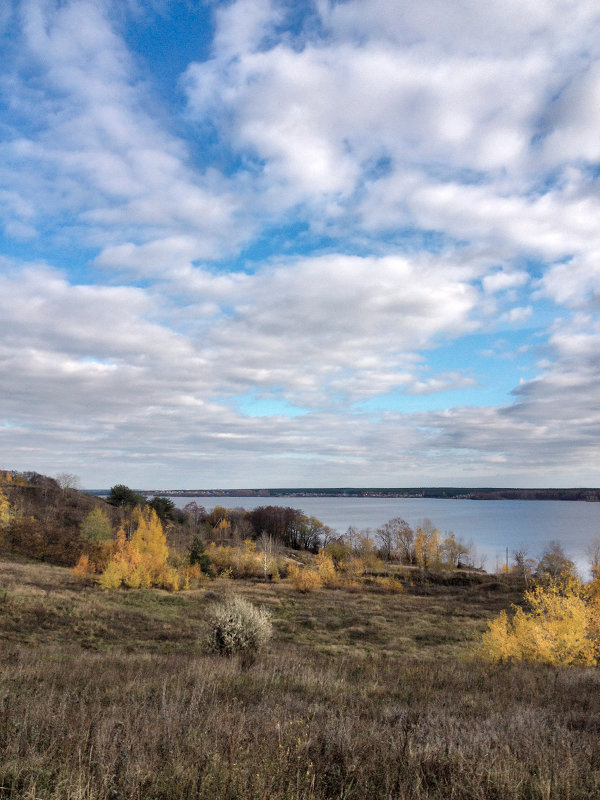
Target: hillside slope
42,520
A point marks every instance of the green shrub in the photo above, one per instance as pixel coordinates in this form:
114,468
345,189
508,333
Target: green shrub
237,628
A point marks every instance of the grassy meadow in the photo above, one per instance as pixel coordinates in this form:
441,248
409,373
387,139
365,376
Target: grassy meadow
109,695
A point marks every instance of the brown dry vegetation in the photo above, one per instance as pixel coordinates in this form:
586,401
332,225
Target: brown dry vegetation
360,694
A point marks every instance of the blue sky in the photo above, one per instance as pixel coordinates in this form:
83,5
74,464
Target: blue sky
263,243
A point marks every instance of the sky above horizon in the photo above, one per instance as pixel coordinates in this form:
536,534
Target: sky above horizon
263,243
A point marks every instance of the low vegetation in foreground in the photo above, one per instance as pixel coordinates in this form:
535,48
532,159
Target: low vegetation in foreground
166,657
114,694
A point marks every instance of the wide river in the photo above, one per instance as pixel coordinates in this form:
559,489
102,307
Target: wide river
492,525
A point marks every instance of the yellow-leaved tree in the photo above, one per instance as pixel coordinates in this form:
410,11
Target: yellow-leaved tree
149,539
142,561
5,510
5,514
123,566
326,568
561,627
427,545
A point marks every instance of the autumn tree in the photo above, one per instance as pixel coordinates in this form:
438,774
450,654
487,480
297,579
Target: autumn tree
427,545
195,515
338,550
5,509
149,538
222,530
554,562
524,565
326,568
310,530
559,627
123,568
96,531
387,541
142,561
396,539
219,523
363,550
304,579
456,552
217,515
96,527
268,552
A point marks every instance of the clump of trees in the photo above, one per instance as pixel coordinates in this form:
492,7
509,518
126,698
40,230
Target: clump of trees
552,564
235,543
50,519
289,527
426,547
137,544
345,561
559,622
142,561
129,542
139,561
246,560
560,625
281,525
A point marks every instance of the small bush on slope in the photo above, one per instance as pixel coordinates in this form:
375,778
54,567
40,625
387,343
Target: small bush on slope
237,628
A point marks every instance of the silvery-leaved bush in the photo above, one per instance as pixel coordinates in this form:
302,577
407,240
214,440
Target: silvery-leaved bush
238,628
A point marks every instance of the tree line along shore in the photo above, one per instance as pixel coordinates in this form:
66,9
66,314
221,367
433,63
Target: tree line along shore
590,495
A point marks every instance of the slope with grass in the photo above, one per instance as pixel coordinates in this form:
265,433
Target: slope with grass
360,694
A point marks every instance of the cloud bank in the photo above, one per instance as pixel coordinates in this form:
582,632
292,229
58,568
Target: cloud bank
348,244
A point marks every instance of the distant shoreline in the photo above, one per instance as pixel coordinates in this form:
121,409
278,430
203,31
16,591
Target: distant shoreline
588,495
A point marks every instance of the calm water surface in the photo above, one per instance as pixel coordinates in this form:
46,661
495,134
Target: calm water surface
492,525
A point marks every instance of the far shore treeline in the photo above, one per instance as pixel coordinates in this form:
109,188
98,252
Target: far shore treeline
590,495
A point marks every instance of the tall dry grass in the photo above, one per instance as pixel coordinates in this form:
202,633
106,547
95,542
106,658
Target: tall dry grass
359,696
80,726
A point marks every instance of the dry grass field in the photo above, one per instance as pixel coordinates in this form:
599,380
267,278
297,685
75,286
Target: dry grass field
360,694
